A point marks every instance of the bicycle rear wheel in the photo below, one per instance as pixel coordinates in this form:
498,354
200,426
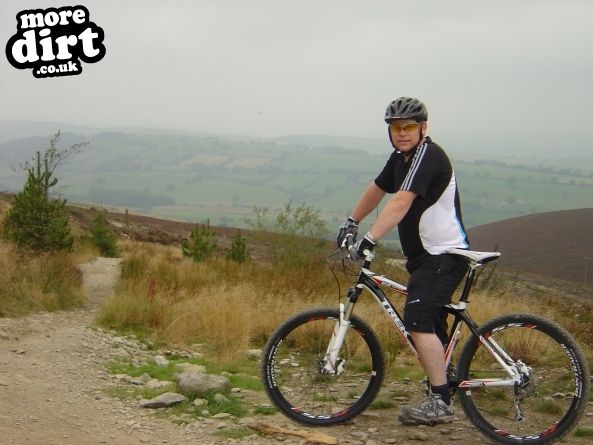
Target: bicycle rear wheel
550,402
293,374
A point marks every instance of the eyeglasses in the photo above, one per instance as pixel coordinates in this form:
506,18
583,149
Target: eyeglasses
408,128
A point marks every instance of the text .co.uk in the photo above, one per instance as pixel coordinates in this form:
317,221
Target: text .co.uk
54,41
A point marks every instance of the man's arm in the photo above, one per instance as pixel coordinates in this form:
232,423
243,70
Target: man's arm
392,214
369,200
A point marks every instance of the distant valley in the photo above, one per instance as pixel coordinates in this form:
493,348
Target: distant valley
194,177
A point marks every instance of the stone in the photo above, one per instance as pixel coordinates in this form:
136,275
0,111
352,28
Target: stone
197,384
156,384
200,402
163,401
359,434
161,361
418,435
222,416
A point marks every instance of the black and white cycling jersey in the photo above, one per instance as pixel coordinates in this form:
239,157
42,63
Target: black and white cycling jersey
433,223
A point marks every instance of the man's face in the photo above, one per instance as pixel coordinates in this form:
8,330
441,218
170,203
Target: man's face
405,133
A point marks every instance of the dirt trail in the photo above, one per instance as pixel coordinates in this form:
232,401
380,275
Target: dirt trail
53,375
52,369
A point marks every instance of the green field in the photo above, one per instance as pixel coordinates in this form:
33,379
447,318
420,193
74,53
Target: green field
195,177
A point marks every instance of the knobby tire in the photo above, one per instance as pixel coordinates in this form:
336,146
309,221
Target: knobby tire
552,402
293,376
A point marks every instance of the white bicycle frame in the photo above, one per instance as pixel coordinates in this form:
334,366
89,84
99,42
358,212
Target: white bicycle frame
371,281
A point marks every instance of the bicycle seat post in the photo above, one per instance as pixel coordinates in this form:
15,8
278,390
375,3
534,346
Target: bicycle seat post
469,280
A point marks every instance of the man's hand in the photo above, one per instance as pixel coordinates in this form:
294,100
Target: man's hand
349,227
357,252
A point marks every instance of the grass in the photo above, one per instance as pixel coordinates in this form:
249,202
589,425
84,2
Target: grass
245,381
152,369
264,410
383,404
173,300
583,431
400,393
229,307
38,282
232,405
548,407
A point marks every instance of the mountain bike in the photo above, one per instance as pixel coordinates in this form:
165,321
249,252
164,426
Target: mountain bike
520,378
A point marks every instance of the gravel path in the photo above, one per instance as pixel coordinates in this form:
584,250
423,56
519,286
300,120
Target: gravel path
53,376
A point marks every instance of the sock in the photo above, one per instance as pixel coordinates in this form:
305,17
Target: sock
443,391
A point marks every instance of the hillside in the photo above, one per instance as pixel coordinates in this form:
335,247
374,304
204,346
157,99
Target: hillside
552,244
194,176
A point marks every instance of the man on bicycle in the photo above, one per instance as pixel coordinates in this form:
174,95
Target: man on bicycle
425,207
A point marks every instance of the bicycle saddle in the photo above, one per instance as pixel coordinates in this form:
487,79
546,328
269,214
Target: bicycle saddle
478,257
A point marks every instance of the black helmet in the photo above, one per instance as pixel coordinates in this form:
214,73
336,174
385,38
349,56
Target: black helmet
406,108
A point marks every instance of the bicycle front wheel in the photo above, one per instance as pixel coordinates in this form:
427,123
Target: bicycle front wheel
296,381
547,404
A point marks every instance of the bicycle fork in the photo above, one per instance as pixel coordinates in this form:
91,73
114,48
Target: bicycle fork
332,363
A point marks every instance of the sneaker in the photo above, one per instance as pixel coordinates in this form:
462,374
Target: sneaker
429,412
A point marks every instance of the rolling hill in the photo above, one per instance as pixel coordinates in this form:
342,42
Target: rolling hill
552,244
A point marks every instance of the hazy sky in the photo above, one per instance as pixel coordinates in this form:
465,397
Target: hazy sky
515,75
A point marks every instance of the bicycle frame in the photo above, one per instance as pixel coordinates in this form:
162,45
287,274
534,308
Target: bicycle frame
371,281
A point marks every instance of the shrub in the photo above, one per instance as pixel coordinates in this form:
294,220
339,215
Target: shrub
238,250
201,244
102,236
35,221
295,237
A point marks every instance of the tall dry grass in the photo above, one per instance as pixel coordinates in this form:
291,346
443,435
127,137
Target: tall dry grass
227,305
33,282
232,307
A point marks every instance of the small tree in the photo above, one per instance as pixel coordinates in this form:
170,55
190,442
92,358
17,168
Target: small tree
238,250
201,244
295,237
35,221
102,236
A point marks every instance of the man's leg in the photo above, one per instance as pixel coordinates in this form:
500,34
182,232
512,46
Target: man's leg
431,284
432,356
437,407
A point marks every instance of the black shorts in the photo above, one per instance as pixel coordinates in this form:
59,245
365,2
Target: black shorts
433,279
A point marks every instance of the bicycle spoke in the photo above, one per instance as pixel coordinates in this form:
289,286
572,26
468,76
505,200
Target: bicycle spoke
548,399
299,384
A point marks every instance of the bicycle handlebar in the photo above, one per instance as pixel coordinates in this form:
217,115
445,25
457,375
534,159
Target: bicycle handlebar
349,243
